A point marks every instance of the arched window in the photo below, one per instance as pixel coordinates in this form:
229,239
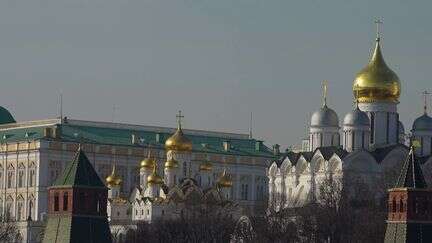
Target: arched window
401,205
56,202
184,169
31,181
20,209
65,201
20,178
394,205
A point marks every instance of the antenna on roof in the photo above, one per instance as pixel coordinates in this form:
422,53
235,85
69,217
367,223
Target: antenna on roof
61,106
250,126
114,108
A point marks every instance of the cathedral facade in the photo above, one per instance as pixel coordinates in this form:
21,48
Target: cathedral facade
368,148
35,153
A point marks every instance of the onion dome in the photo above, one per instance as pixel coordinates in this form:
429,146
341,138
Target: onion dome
423,123
171,163
356,118
5,116
154,178
206,166
324,117
178,141
113,180
148,163
225,180
376,81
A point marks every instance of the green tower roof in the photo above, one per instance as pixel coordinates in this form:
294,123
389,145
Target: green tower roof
79,172
5,116
411,175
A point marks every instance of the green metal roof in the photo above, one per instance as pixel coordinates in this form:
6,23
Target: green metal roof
121,136
5,116
79,172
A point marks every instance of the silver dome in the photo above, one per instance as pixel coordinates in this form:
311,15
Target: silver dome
423,123
356,118
324,117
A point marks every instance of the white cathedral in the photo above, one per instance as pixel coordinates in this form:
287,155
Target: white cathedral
167,196
369,147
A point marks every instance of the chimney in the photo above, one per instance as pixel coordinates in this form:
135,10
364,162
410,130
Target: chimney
48,132
226,146
134,139
56,132
258,145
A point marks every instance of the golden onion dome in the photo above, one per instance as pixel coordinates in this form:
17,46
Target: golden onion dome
178,141
376,81
148,163
113,179
225,180
206,166
154,178
171,163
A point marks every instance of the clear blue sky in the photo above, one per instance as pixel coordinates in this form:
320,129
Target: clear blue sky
215,60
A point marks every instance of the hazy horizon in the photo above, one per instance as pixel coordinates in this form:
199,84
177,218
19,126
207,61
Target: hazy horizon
217,61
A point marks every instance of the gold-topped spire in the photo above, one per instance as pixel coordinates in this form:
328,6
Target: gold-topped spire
148,162
376,81
206,165
378,22
225,179
154,178
178,141
113,179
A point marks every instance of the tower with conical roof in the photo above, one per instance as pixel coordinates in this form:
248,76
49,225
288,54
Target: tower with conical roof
77,204
146,168
377,88
409,206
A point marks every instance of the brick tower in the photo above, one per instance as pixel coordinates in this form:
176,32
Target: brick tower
410,206
77,205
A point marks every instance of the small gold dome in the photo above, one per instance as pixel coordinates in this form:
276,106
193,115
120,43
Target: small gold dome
113,179
206,166
225,180
178,141
148,163
171,163
154,178
376,81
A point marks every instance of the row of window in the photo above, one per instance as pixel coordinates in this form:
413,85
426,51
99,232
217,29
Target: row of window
20,181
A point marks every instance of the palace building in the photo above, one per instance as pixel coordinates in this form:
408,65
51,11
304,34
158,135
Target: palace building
35,153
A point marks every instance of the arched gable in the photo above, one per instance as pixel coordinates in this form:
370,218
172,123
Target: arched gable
394,158
286,167
302,166
361,161
317,163
273,170
334,164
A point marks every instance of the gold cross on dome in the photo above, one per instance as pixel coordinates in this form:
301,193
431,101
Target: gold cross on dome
425,96
324,84
378,22
179,118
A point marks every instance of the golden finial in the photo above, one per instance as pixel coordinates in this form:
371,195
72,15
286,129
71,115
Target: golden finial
324,85
378,22
425,95
179,119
